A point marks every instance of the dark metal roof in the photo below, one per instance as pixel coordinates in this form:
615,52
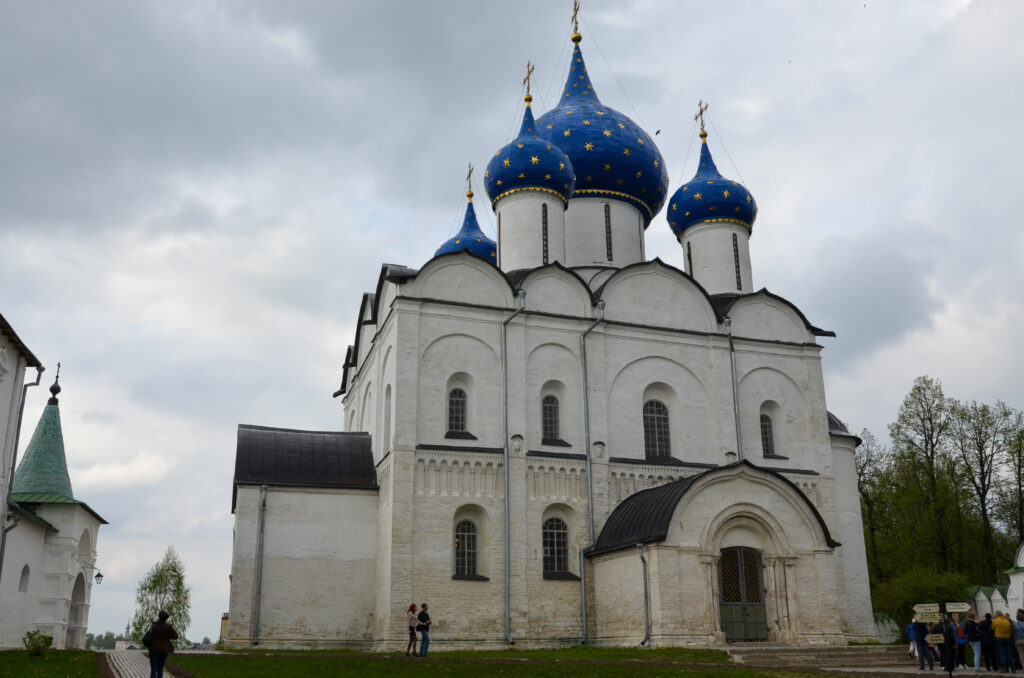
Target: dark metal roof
724,302
645,517
836,425
286,457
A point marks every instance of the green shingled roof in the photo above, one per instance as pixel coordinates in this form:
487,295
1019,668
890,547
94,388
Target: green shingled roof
22,499
44,467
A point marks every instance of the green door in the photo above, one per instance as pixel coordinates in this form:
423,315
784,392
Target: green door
741,594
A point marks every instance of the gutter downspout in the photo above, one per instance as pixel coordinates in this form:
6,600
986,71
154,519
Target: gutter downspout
647,599
258,589
735,391
14,460
590,475
508,518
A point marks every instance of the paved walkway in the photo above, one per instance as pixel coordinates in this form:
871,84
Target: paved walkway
129,663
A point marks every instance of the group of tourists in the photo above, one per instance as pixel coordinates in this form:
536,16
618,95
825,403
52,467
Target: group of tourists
997,641
418,623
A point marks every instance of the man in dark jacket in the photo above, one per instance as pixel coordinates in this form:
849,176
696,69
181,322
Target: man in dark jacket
424,628
163,634
920,631
988,643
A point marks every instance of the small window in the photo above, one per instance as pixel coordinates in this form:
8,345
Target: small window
465,549
456,410
656,431
689,258
767,437
544,230
556,546
736,261
549,418
608,230
23,582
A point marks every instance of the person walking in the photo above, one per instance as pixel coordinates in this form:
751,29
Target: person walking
961,642
411,621
1002,629
424,628
920,631
161,646
973,636
912,650
1018,637
988,644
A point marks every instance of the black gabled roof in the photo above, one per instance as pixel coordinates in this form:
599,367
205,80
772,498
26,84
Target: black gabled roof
8,331
290,458
724,302
645,517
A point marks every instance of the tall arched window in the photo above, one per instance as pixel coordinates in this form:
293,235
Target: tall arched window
656,432
387,418
549,418
465,549
555,538
456,410
767,437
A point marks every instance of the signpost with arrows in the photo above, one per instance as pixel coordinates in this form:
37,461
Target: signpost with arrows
930,613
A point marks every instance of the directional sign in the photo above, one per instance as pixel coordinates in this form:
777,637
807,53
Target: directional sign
958,607
934,639
929,617
926,607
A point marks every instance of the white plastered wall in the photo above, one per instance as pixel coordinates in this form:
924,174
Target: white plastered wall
585,234
711,259
521,230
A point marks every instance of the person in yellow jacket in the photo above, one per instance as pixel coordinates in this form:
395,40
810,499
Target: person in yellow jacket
1002,629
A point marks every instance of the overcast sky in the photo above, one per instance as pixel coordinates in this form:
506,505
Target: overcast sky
193,196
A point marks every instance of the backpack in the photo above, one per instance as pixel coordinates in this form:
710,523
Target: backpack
147,639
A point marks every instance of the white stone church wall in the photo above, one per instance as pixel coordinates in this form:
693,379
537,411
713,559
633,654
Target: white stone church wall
20,607
319,567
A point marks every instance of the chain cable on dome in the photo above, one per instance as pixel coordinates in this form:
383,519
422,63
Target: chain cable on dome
681,179
721,142
639,118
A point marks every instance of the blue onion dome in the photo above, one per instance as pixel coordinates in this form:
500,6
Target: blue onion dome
611,155
470,238
709,196
529,163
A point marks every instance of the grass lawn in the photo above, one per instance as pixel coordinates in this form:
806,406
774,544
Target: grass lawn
569,663
54,664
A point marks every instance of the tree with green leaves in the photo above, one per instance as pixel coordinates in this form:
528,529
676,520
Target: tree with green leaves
163,588
1010,490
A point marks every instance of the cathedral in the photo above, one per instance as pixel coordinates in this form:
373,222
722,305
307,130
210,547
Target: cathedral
553,440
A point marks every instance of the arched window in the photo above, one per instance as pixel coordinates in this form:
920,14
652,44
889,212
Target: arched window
23,582
555,539
549,419
456,410
465,549
656,433
767,437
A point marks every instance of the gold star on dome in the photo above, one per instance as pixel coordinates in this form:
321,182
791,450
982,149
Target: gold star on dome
606,132
549,147
582,77
566,133
710,182
686,188
607,167
640,141
568,111
639,174
547,177
575,84
519,145
600,112
697,196
621,126
686,214
507,163
487,174
549,126
522,175
590,178
534,160
586,122
626,151
458,242
748,198
736,209
673,207
498,153
725,193
589,146
566,186
655,163
561,165
499,182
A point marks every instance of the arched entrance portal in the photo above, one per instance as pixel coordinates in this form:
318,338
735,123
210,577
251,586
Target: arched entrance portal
75,637
741,594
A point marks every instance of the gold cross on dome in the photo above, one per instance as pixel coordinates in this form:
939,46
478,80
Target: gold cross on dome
575,16
469,178
701,108
529,72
